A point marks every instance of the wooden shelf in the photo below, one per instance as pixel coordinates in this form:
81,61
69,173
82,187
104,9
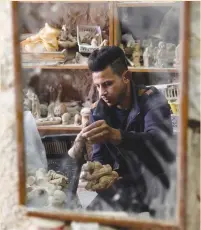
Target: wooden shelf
151,70
73,66
144,4
132,69
58,129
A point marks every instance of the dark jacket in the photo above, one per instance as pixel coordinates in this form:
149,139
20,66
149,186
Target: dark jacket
144,135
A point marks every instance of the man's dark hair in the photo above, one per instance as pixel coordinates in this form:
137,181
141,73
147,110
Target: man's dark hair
112,56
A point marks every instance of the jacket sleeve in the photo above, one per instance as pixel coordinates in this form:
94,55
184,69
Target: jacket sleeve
96,149
155,139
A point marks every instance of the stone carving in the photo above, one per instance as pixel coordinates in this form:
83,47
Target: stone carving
97,176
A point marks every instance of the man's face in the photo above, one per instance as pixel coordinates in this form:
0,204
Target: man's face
111,87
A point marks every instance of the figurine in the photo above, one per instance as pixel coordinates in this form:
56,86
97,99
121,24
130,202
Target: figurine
77,120
137,53
35,104
170,49
85,113
177,56
60,108
148,58
161,57
66,118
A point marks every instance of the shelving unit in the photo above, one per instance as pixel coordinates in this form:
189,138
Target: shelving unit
114,39
58,129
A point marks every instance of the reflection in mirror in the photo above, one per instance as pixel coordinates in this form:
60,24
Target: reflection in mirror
100,123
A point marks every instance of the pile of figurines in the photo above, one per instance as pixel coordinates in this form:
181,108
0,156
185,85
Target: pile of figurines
57,112
146,54
45,188
50,39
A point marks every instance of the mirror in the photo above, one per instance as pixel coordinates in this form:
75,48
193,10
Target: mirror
101,122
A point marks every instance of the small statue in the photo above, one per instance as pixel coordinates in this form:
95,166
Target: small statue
94,42
60,108
35,104
66,119
137,53
85,113
161,57
44,110
77,120
148,58
177,59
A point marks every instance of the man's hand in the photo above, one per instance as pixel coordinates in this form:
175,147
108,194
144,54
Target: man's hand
100,131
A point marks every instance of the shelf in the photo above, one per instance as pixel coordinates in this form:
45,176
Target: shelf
143,4
132,69
171,70
58,129
73,66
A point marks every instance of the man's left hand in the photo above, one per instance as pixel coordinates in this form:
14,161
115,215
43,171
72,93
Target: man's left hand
100,131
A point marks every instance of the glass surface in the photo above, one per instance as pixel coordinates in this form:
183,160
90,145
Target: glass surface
135,122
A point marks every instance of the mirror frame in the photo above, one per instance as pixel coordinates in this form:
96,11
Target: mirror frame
182,140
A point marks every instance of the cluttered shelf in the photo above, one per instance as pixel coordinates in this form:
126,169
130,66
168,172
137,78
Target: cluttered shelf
68,66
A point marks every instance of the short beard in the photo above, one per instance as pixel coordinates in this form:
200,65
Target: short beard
122,96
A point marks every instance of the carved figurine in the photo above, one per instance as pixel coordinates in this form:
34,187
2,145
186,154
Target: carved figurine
148,58
66,118
60,108
85,113
177,56
170,49
97,176
77,120
161,57
35,104
137,53
94,43
43,110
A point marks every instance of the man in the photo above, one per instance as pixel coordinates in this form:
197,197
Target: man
130,128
